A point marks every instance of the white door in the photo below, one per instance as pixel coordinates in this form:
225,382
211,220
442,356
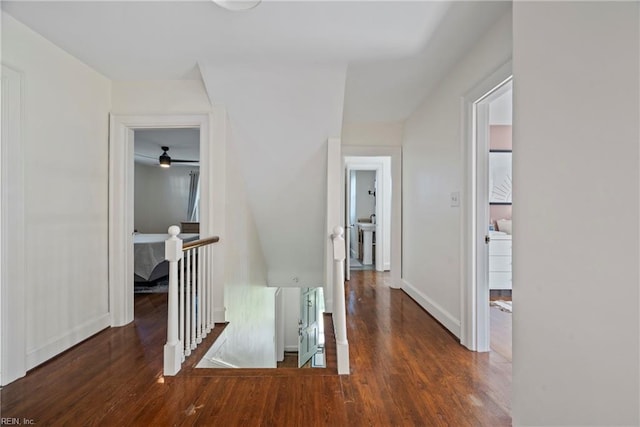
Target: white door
308,325
348,225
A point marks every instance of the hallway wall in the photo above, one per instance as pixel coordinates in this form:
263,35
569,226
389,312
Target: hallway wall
432,170
282,116
576,353
249,303
66,106
372,133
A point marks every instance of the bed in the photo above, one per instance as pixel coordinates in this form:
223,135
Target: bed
149,264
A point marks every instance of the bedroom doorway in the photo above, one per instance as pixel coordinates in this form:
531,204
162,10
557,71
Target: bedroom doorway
479,229
121,197
500,191
166,192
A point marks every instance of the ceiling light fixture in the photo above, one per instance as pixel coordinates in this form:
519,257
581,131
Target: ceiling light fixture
237,5
165,160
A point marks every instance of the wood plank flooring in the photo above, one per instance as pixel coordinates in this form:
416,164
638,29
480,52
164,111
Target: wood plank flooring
406,369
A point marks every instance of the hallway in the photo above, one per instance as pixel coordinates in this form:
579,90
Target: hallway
405,370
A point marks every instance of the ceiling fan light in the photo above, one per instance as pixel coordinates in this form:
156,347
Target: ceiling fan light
237,5
165,161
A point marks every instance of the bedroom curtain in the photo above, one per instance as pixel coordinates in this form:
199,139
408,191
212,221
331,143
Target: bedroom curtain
194,196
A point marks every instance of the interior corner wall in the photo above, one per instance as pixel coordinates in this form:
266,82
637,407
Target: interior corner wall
159,96
433,169
65,137
372,133
161,197
576,213
249,303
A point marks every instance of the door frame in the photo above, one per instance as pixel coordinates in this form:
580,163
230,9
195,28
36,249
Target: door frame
376,166
474,292
121,184
395,153
13,274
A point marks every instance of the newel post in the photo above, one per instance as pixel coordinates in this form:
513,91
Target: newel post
173,347
339,310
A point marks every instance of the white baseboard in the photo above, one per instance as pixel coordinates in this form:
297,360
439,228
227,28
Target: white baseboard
215,363
291,348
68,340
433,308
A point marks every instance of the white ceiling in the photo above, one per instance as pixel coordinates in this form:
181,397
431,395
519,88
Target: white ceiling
183,144
501,108
396,51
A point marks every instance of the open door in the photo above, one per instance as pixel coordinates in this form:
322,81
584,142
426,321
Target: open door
308,325
348,223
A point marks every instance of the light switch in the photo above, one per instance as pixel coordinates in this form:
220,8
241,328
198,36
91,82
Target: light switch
455,199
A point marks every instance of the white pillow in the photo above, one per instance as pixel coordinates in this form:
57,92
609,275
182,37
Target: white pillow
504,225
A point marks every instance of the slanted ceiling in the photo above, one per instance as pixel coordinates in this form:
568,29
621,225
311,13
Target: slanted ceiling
282,71
281,118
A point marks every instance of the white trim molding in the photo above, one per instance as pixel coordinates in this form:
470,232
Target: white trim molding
59,344
396,200
474,296
13,347
433,308
121,181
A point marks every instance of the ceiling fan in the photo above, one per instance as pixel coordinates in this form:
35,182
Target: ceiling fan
165,160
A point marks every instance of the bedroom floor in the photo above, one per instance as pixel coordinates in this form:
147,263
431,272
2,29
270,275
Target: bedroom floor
500,324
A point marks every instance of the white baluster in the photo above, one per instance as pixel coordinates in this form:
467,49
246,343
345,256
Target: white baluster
209,289
188,316
339,310
181,307
194,304
199,312
205,295
172,349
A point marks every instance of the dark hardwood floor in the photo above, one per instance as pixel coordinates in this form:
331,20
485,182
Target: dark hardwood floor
406,369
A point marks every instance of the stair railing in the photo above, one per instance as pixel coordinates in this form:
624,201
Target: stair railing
339,310
190,307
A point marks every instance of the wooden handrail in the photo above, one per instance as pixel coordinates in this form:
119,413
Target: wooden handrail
199,243
190,301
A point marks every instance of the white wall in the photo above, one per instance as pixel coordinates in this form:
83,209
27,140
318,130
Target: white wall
159,96
501,109
282,117
66,107
161,197
372,133
432,169
575,262
249,303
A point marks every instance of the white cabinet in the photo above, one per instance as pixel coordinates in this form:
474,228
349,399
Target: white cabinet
500,261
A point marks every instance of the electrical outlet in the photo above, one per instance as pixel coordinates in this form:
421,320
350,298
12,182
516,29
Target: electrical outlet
455,199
